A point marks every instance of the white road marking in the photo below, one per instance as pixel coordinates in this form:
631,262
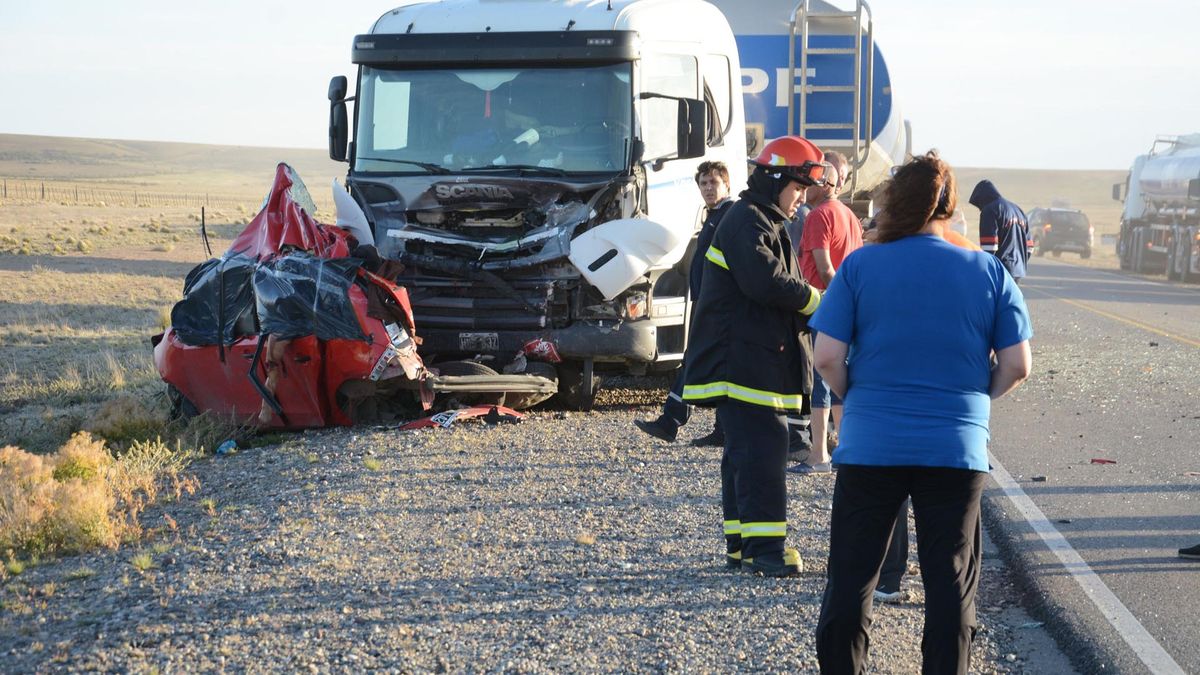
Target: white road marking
1156,659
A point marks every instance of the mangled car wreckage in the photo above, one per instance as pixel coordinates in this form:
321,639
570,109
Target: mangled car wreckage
298,325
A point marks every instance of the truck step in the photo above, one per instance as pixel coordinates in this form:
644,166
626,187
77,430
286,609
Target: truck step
831,50
826,126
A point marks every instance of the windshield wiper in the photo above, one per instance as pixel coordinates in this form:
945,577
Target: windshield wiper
534,168
428,166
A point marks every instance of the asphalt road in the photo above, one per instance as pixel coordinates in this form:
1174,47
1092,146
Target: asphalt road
1116,377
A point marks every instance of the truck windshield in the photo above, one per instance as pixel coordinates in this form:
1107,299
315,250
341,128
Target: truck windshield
574,119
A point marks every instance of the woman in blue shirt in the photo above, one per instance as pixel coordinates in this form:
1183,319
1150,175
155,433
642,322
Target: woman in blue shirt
906,334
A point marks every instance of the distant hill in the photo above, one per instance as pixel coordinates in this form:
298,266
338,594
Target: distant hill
242,170
226,169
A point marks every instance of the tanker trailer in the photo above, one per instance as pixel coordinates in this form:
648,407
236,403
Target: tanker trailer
812,69
1159,224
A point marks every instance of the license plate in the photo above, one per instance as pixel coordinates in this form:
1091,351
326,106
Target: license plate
479,342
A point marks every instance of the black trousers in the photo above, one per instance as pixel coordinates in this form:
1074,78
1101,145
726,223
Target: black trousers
895,563
754,478
675,409
865,504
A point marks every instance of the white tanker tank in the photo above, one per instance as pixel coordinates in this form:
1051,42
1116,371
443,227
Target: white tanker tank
840,94
1160,225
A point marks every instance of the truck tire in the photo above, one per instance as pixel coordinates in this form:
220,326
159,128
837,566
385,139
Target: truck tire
1172,256
1185,270
519,401
471,368
1138,250
1056,253
1086,253
1123,249
573,392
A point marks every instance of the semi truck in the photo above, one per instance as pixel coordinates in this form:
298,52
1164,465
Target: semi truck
530,163
1160,225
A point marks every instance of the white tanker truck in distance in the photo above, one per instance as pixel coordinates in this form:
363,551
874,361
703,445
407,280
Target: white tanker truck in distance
1160,224
531,162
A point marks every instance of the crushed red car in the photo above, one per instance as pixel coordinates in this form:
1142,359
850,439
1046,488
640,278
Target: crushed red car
297,325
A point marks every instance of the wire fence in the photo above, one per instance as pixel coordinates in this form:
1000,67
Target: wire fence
73,193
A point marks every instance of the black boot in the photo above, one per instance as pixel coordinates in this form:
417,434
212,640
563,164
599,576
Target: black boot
664,428
716,437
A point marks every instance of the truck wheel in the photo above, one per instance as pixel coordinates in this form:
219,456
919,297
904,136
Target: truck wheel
1086,253
1122,251
518,401
1056,253
455,368
574,390
1171,263
1139,250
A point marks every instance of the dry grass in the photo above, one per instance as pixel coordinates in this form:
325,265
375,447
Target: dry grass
81,496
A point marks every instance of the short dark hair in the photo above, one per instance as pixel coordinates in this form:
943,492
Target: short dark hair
718,168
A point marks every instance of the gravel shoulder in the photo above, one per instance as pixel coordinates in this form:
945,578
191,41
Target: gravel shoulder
569,542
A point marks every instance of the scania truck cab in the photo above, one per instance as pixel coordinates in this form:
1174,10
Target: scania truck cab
530,165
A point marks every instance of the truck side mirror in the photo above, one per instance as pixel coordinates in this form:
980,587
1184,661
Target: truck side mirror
1117,191
1194,190
339,123
692,118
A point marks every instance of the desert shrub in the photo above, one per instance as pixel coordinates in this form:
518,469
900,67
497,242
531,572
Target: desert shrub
81,457
125,419
81,497
84,246
164,248
26,496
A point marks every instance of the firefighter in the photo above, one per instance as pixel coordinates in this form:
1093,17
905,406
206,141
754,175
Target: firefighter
746,356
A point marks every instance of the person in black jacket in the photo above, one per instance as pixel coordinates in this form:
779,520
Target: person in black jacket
1003,228
745,356
713,180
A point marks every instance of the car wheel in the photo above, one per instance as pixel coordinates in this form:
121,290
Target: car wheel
182,408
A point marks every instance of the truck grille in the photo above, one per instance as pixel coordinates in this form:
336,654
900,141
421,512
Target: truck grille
452,303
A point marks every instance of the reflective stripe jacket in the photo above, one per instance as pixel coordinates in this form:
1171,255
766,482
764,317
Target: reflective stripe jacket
745,343
703,241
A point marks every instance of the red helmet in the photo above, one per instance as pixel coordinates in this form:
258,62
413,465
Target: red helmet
798,159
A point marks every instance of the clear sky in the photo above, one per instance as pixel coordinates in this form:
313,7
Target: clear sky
1081,84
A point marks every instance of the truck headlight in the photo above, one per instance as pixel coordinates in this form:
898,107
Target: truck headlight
636,305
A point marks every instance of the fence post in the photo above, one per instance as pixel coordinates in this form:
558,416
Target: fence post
43,190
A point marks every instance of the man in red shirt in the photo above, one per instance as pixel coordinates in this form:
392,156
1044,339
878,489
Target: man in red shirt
831,232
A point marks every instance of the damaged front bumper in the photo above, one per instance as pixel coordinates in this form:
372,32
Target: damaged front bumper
604,341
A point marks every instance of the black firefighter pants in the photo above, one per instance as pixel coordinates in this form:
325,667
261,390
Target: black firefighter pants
865,503
753,478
